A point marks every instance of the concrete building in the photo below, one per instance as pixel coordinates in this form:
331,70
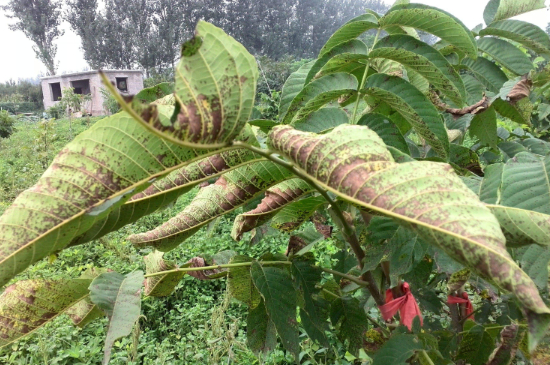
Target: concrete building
128,82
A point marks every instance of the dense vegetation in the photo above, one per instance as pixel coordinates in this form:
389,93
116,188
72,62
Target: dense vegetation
395,209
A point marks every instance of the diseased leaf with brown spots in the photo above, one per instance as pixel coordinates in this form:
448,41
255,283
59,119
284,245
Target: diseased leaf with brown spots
239,282
275,199
522,227
215,89
29,304
169,188
504,9
510,338
427,197
296,213
85,311
161,285
97,172
231,191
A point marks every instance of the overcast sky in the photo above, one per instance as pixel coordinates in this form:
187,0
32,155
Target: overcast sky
17,59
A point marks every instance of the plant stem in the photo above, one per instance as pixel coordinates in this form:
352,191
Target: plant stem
424,354
214,267
346,276
362,85
373,321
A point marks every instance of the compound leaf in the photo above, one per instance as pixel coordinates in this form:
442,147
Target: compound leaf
231,191
427,197
412,105
119,297
522,32
425,60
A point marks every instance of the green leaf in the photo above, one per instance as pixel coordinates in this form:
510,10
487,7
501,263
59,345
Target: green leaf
510,339
275,199
306,276
84,312
261,336
424,196
504,9
319,92
95,173
522,227
527,34
292,87
506,54
487,73
434,21
168,189
412,105
352,29
347,62
484,127
265,125
350,315
161,285
397,350
509,111
474,88
353,46
215,89
525,183
239,283
230,191
406,250
510,149
27,305
476,346
386,130
151,94
425,60
490,186
322,120
534,260
296,213
119,296
275,286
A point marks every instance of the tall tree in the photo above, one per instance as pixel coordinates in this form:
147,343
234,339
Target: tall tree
39,20
87,23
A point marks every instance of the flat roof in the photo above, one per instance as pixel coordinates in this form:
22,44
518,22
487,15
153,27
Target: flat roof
88,73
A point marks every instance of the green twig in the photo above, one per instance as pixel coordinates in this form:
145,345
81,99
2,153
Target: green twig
214,267
426,357
362,85
346,276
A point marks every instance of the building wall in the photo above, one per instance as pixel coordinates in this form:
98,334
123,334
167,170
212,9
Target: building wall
95,106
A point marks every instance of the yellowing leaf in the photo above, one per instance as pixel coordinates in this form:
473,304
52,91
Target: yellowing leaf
427,197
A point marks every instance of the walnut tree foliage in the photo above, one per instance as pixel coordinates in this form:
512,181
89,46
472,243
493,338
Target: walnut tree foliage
392,151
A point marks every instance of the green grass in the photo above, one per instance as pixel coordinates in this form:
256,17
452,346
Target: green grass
192,326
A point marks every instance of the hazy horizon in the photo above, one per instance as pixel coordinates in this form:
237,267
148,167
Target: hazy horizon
21,62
